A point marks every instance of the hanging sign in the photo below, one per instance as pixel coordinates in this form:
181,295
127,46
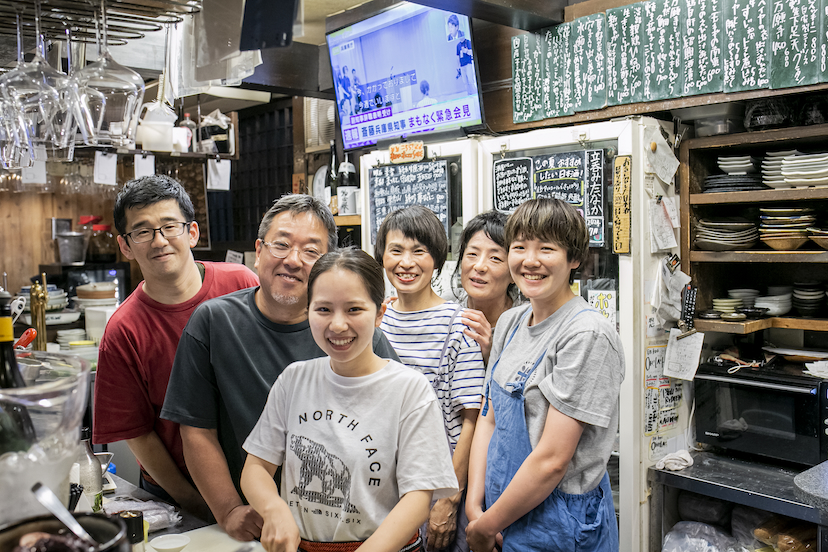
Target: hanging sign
406,152
622,207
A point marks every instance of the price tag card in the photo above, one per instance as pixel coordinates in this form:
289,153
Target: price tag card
144,165
234,257
218,174
106,168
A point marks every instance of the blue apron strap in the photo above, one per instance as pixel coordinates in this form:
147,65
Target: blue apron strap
494,366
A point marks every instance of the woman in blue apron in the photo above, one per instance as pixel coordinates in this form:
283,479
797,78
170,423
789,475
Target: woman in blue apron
537,473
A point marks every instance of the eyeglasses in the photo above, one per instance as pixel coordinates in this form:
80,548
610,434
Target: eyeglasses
170,230
280,250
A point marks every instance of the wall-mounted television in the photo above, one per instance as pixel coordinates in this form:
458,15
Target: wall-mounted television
409,70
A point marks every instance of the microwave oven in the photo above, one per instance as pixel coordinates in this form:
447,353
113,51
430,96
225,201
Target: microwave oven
769,412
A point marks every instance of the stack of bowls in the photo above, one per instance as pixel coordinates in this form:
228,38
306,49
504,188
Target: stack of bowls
779,290
727,305
96,294
777,305
808,297
748,296
65,337
56,301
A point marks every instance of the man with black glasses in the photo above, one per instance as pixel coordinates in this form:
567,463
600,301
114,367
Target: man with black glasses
234,348
154,217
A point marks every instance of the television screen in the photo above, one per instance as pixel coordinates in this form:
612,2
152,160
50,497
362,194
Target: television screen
408,70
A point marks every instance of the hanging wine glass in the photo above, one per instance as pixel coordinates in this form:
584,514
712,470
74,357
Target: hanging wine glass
121,88
87,103
43,96
16,150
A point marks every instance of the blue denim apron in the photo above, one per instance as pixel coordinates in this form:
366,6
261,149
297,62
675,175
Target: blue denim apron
562,522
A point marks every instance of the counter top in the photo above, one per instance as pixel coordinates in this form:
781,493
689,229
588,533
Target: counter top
811,486
765,486
204,537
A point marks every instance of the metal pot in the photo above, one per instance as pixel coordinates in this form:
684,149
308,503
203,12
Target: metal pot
109,531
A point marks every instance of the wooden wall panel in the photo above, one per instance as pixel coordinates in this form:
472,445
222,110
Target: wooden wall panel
25,240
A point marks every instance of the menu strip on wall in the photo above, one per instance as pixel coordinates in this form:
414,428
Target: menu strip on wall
662,61
621,203
702,46
625,55
594,208
393,187
794,51
746,43
527,78
589,72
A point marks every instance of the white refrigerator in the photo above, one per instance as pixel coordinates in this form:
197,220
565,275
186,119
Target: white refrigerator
653,421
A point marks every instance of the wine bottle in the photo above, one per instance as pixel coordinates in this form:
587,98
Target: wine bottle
16,429
332,181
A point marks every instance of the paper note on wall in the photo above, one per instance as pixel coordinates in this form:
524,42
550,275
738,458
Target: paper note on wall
683,355
662,233
144,165
218,174
106,168
605,301
622,208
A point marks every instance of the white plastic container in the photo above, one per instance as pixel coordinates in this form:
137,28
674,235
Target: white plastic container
96,319
155,136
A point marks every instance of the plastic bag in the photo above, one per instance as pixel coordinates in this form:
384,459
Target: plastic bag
157,514
743,521
690,536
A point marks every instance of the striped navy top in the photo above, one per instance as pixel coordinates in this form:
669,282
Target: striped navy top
418,338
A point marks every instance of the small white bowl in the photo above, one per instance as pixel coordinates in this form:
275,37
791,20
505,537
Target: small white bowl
170,543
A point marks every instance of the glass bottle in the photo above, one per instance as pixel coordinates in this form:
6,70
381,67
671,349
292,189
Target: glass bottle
90,474
102,246
190,125
16,429
330,188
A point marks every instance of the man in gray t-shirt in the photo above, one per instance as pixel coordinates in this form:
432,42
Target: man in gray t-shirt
233,349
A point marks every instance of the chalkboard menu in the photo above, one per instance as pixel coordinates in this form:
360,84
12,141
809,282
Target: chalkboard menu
589,72
794,51
393,187
512,183
662,77
527,78
746,42
558,67
594,208
702,45
625,55
576,177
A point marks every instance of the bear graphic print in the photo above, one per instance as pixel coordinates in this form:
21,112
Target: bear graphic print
330,471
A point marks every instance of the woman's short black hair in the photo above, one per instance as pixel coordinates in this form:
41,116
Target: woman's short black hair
492,223
416,223
357,261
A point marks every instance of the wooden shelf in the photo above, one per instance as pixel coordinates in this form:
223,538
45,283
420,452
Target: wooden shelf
776,138
759,256
348,220
751,326
787,194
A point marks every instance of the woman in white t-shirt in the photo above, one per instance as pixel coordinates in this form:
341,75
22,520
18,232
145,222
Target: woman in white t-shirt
353,432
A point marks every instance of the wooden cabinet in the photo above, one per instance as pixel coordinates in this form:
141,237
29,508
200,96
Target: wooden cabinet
715,272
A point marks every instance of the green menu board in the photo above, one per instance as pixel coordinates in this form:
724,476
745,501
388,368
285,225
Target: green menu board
823,42
702,46
662,49
527,78
794,51
624,54
589,72
558,68
746,43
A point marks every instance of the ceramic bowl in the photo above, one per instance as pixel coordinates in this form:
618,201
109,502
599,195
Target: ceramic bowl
753,313
821,241
784,244
170,543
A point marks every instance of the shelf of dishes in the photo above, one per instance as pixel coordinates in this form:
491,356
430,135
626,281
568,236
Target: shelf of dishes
751,326
759,256
756,196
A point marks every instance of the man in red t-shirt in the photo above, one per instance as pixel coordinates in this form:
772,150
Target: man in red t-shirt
154,217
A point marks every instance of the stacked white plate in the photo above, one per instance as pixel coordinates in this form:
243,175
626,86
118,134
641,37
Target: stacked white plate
743,164
65,337
57,298
777,305
81,304
726,305
748,296
725,235
772,168
806,170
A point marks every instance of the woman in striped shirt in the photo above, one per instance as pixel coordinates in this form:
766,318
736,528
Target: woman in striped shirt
429,335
